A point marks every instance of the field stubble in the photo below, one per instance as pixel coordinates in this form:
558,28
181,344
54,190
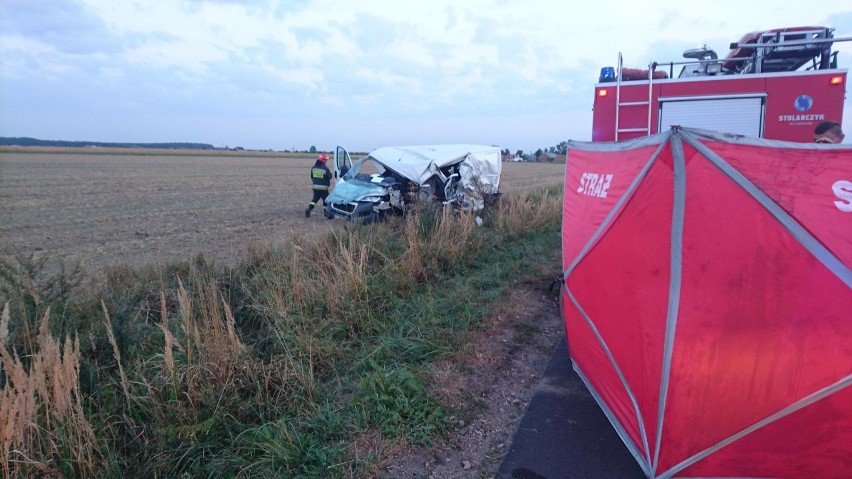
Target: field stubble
104,209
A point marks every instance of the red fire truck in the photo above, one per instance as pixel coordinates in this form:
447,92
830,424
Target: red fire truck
775,84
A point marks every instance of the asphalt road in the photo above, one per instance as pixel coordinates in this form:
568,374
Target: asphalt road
564,434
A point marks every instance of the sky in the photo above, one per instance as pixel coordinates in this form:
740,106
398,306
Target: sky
292,74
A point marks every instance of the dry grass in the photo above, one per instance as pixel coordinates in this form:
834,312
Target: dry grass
341,261
216,358
412,265
125,387
45,432
521,211
455,236
168,340
527,177
311,305
216,363
438,240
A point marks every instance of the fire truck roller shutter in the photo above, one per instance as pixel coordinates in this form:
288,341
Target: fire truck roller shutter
739,114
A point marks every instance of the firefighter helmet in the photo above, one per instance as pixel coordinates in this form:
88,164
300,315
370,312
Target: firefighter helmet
322,157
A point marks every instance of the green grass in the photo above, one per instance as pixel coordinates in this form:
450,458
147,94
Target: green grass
276,367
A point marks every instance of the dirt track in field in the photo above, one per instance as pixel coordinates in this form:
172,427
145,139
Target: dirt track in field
105,209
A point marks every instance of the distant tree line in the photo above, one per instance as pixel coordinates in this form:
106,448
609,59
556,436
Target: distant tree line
23,141
559,149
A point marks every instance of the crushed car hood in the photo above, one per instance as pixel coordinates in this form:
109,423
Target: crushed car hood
419,163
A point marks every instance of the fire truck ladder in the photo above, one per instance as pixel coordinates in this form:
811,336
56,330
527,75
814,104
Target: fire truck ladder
619,104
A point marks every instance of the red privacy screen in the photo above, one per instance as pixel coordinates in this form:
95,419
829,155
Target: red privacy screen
707,300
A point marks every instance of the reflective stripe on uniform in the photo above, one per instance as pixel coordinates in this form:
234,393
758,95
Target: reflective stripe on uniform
320,187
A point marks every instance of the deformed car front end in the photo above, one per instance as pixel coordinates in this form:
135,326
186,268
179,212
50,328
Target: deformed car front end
368,196
389,179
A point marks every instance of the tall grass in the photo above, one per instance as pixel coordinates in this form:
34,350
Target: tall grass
45,431
521,213
269,369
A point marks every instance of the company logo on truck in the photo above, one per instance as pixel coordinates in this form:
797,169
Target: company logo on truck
804,103
811,117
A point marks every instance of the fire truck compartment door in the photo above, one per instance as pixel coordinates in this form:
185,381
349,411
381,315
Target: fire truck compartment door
741,115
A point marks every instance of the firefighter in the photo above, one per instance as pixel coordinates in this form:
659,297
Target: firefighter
321,180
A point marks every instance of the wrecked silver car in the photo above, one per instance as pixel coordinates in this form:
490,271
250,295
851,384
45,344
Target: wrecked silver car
388,180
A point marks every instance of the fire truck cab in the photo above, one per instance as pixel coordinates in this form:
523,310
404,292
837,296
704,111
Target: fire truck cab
776,84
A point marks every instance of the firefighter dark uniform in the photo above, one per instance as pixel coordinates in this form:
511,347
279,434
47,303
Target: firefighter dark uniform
321,182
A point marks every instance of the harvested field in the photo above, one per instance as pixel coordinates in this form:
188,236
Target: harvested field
105,207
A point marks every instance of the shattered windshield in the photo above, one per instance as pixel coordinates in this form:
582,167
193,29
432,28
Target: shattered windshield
365,166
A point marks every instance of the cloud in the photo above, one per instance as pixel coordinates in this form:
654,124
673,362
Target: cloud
250,61
64,25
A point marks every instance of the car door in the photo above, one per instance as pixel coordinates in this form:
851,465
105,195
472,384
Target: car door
342,162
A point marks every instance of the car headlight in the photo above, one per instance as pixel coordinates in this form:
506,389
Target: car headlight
371,199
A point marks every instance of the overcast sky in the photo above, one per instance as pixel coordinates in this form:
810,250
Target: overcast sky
362,74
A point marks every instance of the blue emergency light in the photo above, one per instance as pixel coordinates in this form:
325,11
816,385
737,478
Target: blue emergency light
607,74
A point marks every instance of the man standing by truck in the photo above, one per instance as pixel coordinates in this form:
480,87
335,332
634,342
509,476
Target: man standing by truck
321,182
828,132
